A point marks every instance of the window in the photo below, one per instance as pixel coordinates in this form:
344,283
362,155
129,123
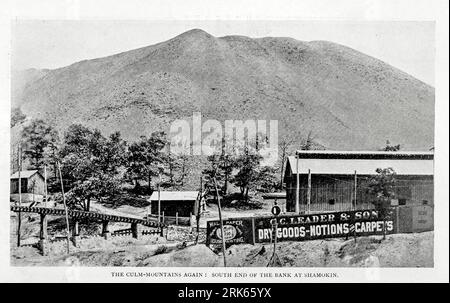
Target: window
15,186
331,201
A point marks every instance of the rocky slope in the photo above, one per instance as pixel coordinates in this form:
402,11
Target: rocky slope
347,99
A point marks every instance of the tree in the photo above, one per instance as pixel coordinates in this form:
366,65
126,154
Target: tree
309,143
37,137
267,181
183,161
17,116
382,186
213,170
172,165
91,164
285,145
248,174
390,147
145,157
222,165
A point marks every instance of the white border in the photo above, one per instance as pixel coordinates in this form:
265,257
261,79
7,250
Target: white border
352,10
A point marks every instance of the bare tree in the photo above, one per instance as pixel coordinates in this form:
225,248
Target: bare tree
285,146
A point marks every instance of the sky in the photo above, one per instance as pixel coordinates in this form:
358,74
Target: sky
407,45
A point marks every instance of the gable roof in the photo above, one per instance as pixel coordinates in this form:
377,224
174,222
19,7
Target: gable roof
361,166
333,154
175,196
24,174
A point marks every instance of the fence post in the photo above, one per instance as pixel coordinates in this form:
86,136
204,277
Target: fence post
75,233
135,230
253,231
105,231
43,235
397,219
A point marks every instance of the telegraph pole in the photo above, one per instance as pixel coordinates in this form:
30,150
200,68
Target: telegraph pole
199,209
297,193
19,214
159,198
355,190
221,223
308,199
159,203
65,208
45,185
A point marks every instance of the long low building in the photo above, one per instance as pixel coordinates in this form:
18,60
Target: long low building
176,204
339,179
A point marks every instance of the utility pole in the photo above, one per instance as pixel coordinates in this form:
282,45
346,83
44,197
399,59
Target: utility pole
65,209
221,223
45,185
308,198
159,203
355,191
200,197
297,193
19,214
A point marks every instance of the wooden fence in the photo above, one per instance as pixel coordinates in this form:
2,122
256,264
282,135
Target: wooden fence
172,220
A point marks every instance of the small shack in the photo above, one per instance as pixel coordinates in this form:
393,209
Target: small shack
338,180
177,206
32,186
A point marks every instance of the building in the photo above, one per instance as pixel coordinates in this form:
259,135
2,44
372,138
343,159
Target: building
338,179
177,205
32,186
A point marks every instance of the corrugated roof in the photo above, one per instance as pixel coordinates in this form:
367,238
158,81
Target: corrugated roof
332,154
24,174
175,196
364,152
362,166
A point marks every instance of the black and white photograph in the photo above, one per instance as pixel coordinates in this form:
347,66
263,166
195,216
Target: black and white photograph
214,143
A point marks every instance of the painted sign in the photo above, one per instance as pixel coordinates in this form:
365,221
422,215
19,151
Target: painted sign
302,227
325,225
276,210
236,231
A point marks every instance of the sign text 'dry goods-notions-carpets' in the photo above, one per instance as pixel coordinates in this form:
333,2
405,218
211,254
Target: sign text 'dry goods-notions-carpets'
302,227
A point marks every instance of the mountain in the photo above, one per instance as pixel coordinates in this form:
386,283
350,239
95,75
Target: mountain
348,100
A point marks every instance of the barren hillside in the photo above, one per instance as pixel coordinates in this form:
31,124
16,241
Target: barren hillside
347,99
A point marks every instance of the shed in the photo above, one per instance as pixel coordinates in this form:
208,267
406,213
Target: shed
338,179
32,186
176,203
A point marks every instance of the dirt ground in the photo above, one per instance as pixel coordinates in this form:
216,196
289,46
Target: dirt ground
400,250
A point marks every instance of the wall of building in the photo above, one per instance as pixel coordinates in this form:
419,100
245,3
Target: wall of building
170,208
34,184
27,198
337,192
415,218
